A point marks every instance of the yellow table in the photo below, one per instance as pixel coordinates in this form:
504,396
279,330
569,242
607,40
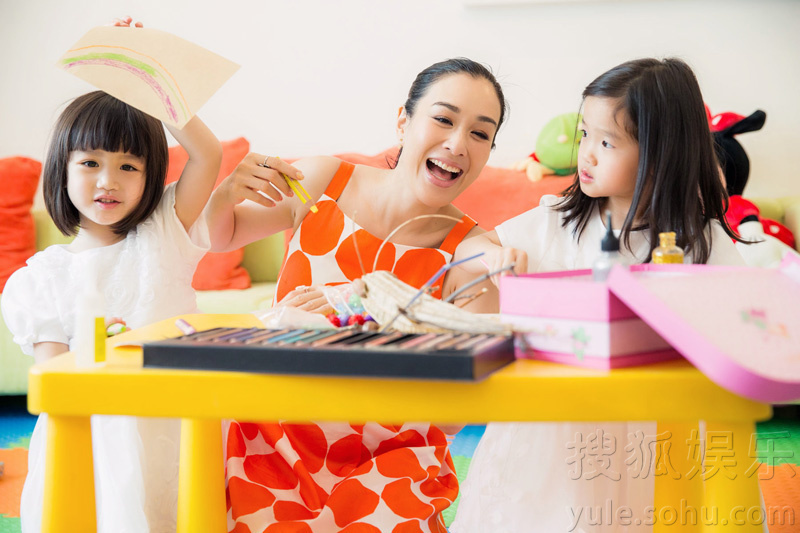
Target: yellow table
674,393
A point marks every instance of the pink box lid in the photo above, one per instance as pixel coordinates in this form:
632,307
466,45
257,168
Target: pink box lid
739,326
569,294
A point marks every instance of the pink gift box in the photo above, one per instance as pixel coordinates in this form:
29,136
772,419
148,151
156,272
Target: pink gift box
739,326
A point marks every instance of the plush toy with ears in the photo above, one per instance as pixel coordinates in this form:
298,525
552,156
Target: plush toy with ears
733,158
556,149
771,239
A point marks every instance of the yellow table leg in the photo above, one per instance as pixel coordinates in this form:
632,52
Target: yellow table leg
201,483
731,487
677,497
69,475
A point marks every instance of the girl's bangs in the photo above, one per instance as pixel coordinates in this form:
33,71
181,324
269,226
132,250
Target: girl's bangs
110,128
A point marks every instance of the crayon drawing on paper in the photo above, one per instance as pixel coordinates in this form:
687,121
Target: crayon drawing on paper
156,72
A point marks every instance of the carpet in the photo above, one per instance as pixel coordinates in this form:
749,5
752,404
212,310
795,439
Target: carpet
16,426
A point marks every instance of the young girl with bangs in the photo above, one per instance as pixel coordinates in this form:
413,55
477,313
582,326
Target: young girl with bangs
647,157
137,243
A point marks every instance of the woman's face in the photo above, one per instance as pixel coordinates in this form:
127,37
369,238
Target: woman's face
447,141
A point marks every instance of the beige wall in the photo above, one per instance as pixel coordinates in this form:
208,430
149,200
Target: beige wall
321,76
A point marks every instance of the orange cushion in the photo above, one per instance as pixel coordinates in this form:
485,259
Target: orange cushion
216,271
19,177
501,193
232,153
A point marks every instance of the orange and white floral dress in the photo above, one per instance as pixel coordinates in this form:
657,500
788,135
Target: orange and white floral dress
341,477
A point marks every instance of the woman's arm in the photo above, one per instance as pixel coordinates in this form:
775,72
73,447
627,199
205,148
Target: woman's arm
482,297
495,257
255,201
197,179
43,351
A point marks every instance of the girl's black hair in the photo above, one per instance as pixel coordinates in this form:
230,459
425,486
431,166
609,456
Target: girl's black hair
678,185
98,121
457,65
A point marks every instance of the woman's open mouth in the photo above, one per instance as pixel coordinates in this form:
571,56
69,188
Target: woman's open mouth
442,172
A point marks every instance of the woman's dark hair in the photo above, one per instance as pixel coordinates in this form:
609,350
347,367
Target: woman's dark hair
678,185
457,65
98,121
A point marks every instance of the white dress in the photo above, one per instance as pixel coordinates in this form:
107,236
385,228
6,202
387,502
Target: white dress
146,277
527,476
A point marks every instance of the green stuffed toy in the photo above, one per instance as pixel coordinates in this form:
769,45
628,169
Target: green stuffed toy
556,149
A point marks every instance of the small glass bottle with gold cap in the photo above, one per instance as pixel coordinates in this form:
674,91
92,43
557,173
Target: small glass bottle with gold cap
667,251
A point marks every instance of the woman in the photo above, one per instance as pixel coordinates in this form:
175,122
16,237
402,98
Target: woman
373,477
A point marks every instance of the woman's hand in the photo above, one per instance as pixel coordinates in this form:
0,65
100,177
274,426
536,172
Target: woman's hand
504,258
260,179
310,299
125,22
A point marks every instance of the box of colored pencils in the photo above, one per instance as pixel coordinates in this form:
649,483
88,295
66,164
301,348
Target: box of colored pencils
340,352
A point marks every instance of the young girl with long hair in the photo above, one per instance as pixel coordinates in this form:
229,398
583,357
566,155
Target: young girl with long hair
647,157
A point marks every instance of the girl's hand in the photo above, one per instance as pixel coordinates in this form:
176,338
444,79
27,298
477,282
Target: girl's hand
504,258
309,299
260,179
125,22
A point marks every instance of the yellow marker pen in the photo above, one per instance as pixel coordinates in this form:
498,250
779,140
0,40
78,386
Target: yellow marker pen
294,184
90,327
299,190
